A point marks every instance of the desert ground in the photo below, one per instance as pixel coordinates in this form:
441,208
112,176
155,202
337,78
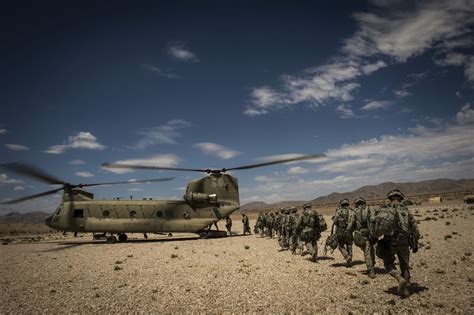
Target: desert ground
51,273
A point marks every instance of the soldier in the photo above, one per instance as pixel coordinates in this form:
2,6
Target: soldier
398,242
228,225
263,224
277,224
293,237
361,236
245,222
281,233
270,223
344,222
308,229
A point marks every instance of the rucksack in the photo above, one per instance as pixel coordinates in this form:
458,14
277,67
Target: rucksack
342,217
384,222
363,216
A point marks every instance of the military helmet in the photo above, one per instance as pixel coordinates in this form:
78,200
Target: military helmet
394,193
360,200
307,205
294,210
344,201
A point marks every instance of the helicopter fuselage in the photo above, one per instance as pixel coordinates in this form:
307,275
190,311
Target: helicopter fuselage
140,216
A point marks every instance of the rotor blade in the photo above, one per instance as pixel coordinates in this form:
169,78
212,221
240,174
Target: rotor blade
50,192
300,158
32,171
144,167
130,182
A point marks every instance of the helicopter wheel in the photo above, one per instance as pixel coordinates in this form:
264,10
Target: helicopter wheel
203,235
111,239
122,237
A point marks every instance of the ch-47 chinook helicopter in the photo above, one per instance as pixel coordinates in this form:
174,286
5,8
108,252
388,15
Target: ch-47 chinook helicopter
206,201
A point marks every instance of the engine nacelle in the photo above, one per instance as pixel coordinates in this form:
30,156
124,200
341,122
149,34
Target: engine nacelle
200,198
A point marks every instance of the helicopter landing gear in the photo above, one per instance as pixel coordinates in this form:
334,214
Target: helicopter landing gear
203,235
111,239
122,237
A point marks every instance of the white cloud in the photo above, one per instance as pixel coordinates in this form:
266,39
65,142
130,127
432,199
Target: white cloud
352,165
178,51
84,174
159,71
16,147
329,82
372,105
19,188
297,170
345,111
465,115
162,134
77,162
5,180
82,140
403,92
372,67
162,160
3,131
215,149
409,30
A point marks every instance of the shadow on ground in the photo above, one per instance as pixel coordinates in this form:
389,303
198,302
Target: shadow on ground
414,288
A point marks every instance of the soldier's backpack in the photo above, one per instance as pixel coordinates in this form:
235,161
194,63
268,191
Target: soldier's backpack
363,216
359,239
342,217
384,222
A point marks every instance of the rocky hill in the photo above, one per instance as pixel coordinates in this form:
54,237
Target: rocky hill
30,218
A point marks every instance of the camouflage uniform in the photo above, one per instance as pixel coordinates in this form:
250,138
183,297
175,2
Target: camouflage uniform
264,224
245,222
406,236
362,214
276,224
308,229
270,223
344,222
281,230
293,237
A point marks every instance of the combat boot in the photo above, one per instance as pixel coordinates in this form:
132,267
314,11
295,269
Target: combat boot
402,283
372,274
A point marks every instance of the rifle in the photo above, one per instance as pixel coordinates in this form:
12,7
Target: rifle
327,244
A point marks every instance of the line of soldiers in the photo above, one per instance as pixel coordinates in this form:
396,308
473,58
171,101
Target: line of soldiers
389,231
293,231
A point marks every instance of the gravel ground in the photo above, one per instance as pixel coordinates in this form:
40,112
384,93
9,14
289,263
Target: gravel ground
53,273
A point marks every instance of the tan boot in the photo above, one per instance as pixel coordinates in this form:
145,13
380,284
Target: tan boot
402,283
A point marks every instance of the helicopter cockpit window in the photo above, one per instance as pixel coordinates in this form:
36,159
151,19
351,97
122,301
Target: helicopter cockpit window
106,213
132,213
159,213
78,213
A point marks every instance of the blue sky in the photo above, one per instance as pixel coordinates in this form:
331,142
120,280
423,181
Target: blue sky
384,88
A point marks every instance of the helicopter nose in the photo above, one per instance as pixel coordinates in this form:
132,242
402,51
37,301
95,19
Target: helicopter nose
48,220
